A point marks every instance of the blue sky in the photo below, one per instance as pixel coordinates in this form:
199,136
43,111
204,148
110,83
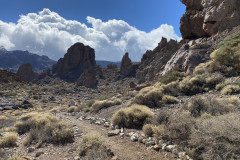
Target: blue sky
143,15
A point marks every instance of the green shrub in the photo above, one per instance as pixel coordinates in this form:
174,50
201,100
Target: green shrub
222,85
134,116
198,83
171,76
228,52
9,140
231,89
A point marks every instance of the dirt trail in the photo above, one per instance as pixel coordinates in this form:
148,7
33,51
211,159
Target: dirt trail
123,148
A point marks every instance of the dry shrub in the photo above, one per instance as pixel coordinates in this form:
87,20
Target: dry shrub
91,148
149,96
6,121
217,137
153,96
147,129
98,105
179,127
88,142
200,105
169,99
159,131
72,109
9,140
162,117
44,127
231,89
134,116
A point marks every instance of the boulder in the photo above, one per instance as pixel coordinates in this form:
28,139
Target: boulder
113,132
78,59
26,72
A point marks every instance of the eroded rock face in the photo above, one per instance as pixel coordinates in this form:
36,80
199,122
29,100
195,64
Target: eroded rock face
26,72
207,17
78,59
154,61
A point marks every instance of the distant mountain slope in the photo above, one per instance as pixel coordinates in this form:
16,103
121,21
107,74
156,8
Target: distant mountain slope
11,60
104,64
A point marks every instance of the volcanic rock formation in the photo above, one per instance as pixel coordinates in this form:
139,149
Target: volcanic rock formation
154,61
26,72
78,59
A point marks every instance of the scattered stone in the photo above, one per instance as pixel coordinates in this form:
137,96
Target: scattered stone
121,135
76,158
71,103
39,154
31,149
117,127
106,124
113,132
156,147
171,148
26,104
150,143
134,137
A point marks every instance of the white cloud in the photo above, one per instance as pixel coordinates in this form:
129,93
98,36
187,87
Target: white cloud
47,33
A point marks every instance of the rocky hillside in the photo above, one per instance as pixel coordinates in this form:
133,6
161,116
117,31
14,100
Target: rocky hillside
9,77
203,26
11,60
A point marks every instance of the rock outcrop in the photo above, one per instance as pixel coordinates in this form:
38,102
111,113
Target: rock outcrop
9,77
27,73
78,59
127,68
88,78
154,61
204,18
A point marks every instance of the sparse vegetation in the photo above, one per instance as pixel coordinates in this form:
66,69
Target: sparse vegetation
44,127
157,95
171,77
231,89
132,117
9,140
98,105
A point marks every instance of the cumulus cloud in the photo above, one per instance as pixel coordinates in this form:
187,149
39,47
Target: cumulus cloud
47,33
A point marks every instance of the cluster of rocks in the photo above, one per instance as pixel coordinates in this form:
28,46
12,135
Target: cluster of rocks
15,105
